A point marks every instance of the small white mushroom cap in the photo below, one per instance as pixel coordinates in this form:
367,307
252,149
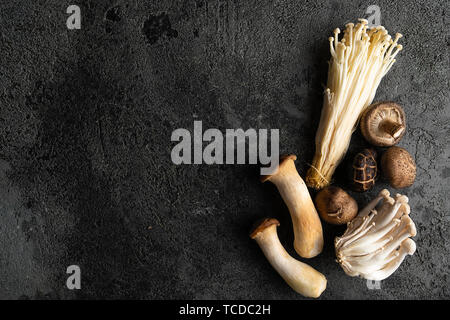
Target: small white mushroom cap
377,241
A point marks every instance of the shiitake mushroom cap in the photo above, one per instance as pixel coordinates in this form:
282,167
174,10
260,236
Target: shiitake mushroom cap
398,167
336,206
364,170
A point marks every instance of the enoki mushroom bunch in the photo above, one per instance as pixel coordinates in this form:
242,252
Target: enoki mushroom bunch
358,63
377,241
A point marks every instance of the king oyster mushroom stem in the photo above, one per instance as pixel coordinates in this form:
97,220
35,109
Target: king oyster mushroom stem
377,241
298,275
308,237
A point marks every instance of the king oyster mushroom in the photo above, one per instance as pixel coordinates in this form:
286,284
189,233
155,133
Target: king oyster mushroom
377,241
308,235
383,124
300,276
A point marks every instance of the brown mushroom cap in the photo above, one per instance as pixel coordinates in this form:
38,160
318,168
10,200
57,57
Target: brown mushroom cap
336,206
284,159
383,124
398,167
261,225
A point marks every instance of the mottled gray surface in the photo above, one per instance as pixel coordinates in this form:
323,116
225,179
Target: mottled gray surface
85,124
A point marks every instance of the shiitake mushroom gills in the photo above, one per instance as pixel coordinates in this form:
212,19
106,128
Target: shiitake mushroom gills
383,124
336,206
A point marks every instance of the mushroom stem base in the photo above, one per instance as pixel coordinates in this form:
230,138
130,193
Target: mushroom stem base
394,129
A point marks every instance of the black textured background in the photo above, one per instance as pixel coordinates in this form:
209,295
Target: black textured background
85,123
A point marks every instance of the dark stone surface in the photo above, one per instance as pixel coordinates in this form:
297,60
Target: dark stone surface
85,123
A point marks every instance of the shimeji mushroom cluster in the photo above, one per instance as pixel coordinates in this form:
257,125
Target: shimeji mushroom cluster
377,241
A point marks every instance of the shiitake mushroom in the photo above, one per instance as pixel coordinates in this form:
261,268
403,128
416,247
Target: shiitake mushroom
398,167
336,206
383,124
365,170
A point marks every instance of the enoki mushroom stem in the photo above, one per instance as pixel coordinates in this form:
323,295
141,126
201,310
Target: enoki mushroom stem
358,63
